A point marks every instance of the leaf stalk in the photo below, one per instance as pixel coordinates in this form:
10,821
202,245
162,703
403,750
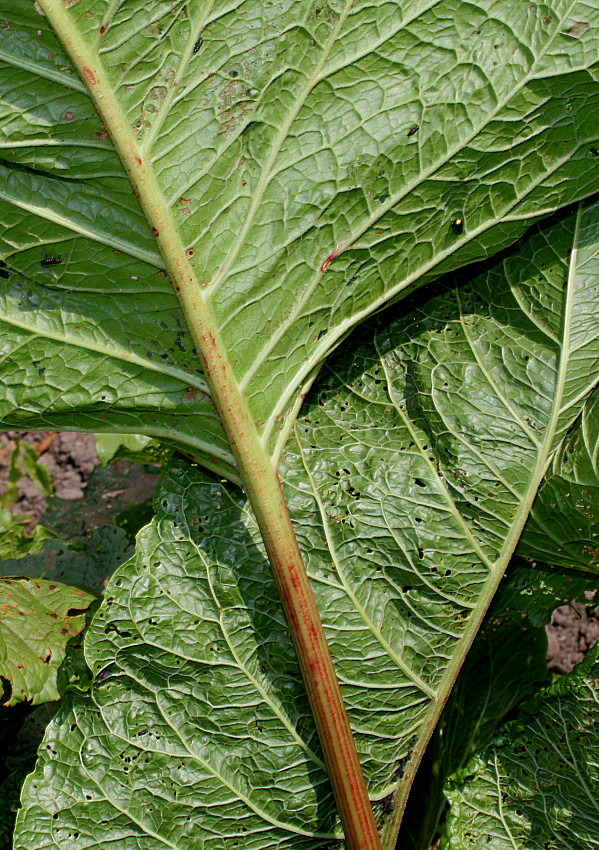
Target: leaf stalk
258,472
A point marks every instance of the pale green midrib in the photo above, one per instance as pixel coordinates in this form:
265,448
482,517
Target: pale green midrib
103,238
276,710
71,82
206,765
320,351
274,152
148,141
118,354
496,573
50,143
400,195
400,663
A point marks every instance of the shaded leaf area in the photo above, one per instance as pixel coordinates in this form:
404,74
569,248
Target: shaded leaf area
37,619
535,786
21,732
410,475
249,116
90,562
506,664
563,528
536,590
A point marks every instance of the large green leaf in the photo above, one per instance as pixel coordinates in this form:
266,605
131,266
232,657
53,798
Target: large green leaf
507,663
37,619
564,524
535,787
409,478
315,158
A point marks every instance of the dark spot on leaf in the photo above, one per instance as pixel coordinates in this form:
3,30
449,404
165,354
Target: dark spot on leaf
413,130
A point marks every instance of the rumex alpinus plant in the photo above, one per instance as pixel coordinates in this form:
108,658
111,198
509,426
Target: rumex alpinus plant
200,200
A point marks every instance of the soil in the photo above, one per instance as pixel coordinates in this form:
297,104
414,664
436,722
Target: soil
70,459
572,632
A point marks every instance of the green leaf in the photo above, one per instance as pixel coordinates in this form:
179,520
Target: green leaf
409,478
317,159
563,528
536,785
14,542
535,590
37,619
134,447
507,663
36,471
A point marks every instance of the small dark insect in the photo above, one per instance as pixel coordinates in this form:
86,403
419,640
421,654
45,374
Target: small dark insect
594,151
4,273
413,130
50,261
198,44
457,225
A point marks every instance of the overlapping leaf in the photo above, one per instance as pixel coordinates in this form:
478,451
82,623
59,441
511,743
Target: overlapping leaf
409,478
536,785
317,158
37,619
564,524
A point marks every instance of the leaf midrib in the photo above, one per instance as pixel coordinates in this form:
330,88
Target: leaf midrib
498,568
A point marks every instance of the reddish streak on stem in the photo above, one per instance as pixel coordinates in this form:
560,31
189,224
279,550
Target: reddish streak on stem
89,76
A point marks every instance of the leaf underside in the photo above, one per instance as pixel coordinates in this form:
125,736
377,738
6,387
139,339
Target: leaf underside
536,785
563,528
315,157
409,477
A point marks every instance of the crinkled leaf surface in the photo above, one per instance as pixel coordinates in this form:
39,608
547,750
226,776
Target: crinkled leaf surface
37,619
313,155
537,785
563,528
409,478
505,664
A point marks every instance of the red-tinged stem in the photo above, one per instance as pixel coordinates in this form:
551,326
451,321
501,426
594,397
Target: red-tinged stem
258,473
